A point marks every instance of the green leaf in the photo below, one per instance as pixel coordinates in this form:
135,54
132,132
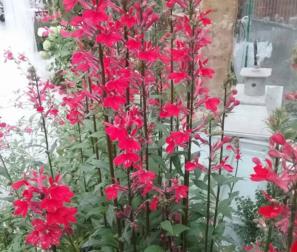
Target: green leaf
110,215
177,164
167,226
224,208
154,248
173,230
3,172
179,228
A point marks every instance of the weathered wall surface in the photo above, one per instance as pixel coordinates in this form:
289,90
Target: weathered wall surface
220,51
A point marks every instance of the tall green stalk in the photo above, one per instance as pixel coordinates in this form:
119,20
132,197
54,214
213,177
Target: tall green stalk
43,121
220,160
273,194
190,107
291,227
208,187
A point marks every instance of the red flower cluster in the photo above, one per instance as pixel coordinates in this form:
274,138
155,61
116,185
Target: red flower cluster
44,200
281,171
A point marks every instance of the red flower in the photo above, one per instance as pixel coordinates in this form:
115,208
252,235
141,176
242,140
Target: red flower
69,4
154,203
60,193
126,159
176,138
111,191
119,86
45,197
278,138
63,215
21,208
294,247
133,44
270,211
181,192
114,102
44,235
224,165
261,173
150,55
129,144
177,77
206,72
108,39
40,109
115,133
18,184
212,104
170,110
144,179
193,165
128,20
53,112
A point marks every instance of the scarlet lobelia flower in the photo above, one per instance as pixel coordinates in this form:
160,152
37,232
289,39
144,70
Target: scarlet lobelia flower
212,104
271,211
175,139
154,203
46,199
144,180
69,4
111,191
180,191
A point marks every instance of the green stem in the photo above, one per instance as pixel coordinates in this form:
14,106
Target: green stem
270,224
95,139
82,156
130,198
220,160
190,107
6,169
208,187
171,84
43,124
291,227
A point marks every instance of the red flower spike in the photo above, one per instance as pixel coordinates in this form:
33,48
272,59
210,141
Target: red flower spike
44,235
45,198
